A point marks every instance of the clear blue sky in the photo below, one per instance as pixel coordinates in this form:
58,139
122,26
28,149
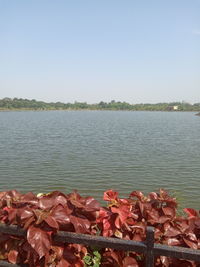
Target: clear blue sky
86,50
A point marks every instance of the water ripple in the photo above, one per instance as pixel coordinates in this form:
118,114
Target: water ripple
95,151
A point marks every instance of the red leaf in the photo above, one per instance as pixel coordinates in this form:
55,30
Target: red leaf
169,211
123,213
163,219
171,231
12,213
164,261
105,217
52,222
153,195
51,200
190,212
41,215
14,194
173,242
91,204
39,240
103,213
69,255
141,206
197,222
130,262
110,195
63,263
108,229
153,216
61,215
192,237
165,198
137,194
24,213
116,257
12,256
137,237
190,243
29,198
118,222
182,224
58,251
2,194
77,203
81,225
29,222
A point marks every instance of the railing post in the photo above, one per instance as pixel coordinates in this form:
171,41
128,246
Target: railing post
150,245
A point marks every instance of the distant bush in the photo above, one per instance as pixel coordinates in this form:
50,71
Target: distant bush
127,218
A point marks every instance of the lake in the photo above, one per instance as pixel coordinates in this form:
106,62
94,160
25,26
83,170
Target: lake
93,151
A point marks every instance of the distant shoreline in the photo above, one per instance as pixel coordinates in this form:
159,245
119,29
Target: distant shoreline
19,104
170,111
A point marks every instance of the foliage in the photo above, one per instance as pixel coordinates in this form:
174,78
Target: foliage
45,214
26,104
93,259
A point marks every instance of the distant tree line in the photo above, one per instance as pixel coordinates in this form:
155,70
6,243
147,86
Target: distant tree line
26,104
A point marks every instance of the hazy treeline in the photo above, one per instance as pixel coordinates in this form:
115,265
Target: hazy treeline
19,103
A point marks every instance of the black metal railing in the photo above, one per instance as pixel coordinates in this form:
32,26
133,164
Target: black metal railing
147,247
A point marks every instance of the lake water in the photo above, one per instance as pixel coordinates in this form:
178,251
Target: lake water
97,150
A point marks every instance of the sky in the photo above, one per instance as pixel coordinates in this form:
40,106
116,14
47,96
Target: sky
91,51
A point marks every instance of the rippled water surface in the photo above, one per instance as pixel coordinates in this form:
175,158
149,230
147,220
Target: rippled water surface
96,150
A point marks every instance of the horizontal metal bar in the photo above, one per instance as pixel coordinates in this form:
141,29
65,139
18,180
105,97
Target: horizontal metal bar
12,230
90,240
115,243
7,264
177,252
100,241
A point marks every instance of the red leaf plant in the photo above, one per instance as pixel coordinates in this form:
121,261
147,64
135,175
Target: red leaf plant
45,214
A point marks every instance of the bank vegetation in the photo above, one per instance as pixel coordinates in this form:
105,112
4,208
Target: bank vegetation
26,104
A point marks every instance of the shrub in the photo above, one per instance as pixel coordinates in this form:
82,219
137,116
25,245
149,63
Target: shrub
45,214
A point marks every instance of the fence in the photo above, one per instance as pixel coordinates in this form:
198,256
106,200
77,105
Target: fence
148,247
